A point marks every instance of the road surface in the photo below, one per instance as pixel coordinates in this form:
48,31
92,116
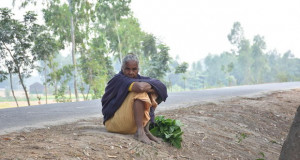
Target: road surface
26,118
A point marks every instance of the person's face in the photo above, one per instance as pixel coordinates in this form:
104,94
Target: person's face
131,69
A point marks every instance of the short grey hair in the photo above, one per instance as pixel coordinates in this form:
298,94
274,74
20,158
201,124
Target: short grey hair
129,57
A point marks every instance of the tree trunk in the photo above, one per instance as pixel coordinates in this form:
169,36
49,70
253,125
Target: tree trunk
12,89
119,40
70,94
24,87
170,83
91,80
73,50
46,90
87,94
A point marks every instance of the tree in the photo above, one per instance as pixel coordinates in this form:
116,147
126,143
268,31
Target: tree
3,75
76,12
196,76
46,48
236,35
155,57
158,64
182,68
95,68
242,71
63,76
259,65
130,35
109,14
227,69
16,43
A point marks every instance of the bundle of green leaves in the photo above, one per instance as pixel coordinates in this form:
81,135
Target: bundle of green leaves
167,129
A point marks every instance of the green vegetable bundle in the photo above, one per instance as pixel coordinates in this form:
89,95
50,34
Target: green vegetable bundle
167,129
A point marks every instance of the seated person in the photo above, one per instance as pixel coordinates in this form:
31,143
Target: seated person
129,101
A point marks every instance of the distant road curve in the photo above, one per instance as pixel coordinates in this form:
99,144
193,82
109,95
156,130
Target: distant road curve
23,118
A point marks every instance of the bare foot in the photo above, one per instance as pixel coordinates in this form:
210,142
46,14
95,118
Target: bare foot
142,137
149,134
153,138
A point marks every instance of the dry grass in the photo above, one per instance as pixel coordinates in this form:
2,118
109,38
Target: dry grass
4,105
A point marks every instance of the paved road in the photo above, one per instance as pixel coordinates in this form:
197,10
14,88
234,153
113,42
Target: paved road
23,118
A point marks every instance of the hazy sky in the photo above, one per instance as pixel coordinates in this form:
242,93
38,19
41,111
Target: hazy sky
194,28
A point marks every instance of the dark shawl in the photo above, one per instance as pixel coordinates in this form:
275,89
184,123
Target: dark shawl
117,90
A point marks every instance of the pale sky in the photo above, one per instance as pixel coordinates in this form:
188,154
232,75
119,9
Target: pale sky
194,28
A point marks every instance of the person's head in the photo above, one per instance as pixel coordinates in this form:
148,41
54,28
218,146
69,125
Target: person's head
130,66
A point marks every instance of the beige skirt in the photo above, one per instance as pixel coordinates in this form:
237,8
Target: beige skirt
123,120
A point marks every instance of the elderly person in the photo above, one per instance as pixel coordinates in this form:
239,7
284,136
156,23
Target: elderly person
129,101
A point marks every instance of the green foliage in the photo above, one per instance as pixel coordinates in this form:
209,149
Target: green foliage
182,68
249,63
3,74
168,129
120,31
241,137
236,35
60,95
17,42
158,63
94,67
149,45
262,155
60,79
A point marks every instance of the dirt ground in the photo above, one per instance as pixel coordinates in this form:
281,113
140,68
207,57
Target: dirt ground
237,128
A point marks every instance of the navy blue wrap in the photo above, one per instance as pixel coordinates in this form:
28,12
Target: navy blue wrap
117,90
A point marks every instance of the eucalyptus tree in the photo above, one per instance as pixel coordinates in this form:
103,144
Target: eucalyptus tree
236,35
95,68
242,71
158,64
213,71
6,62
182,68
155,57
109,14
67,20
46,48
64,19
61,77
130,35
273,59
148,48
244,62
54,75
259,66
287,68
196,76
227,62
17,39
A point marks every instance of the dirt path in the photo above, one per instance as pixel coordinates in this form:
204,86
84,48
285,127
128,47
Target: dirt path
238,128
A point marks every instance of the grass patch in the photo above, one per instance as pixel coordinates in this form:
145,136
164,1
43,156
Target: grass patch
5,105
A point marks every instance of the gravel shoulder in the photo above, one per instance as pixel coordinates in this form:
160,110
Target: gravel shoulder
237,128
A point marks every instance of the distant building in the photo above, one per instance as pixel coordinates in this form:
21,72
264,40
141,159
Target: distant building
36,88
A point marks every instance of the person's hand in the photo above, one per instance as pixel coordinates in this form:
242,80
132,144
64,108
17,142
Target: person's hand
141,87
